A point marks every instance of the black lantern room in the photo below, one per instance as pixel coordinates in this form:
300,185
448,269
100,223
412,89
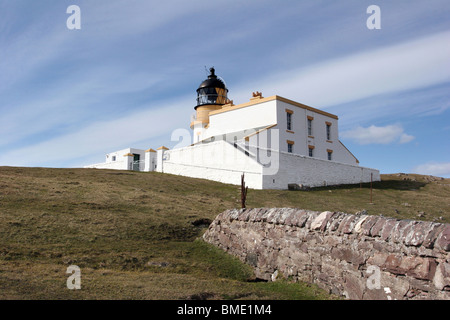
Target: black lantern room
212,91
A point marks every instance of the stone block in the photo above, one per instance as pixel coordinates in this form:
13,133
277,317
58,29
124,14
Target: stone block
333,241
395,288
312,239
255,215
432,235
290,217
397,231
378,227
392,264
375,294
303,247
262,274
420,285
417,267
378,259
323,277
359,223
243,216
365,245
405,231
291,235
234,214
382,246
274,233
416,234
347,224
388,228
321,221
441,278
354,286
443,239
251,259
311,216
281,260
295,217
271,215
385,287
442,295
348,255
368,224
302,218
335,221
280,216
263,215
256,212
260,215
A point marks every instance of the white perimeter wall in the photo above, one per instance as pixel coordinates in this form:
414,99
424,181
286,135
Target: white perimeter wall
221,161
116,165
313,172
218,161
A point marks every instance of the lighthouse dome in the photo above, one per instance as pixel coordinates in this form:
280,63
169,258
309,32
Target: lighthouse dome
212,91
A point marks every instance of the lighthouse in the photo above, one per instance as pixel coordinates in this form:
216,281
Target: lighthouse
276,142
212,94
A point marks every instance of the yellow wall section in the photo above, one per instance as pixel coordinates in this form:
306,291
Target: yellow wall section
203,112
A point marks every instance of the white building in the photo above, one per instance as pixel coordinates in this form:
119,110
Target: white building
129,159
274,141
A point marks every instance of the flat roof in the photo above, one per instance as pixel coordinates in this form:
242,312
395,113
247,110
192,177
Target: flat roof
271,98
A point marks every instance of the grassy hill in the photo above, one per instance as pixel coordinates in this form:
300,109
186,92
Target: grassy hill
134,235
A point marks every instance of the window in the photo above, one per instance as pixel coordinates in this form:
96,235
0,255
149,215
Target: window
311,151
113,158
290,146
330,154
328,130
289,120
310,121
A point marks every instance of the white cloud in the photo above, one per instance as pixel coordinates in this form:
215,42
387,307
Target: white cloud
405,138
378,135
435,169
67,102
412,104
102,137
410,65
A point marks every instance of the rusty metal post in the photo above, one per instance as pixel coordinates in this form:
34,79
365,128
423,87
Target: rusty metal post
371,179
244,191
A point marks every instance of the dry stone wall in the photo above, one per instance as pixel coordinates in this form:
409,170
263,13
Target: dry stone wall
356,256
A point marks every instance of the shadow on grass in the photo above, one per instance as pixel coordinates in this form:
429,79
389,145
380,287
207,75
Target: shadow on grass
381,185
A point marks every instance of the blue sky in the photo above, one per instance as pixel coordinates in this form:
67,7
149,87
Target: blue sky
128,77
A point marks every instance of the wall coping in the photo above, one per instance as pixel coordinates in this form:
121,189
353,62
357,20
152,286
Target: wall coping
431,235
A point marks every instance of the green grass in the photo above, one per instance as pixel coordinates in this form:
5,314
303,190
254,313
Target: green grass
131,233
